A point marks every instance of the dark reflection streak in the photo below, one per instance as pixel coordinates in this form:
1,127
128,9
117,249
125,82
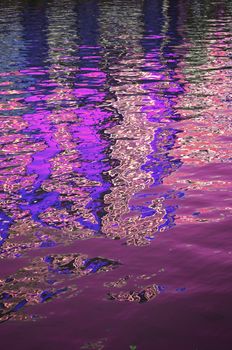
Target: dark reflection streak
32,51
34,22
11,58
93,149
62,40
161,57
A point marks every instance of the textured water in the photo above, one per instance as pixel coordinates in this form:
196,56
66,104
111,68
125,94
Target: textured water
115,174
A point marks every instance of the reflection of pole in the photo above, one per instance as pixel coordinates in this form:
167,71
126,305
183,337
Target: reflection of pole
161,87
63,59
133,137
93,117
165,26
44,99
18,55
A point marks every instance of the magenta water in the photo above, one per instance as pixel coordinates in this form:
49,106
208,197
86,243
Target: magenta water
115,175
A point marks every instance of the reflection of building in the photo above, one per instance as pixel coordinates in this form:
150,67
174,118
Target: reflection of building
61,184
141,92
71,180
205,110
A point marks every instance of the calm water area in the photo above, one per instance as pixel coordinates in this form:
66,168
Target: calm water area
115,174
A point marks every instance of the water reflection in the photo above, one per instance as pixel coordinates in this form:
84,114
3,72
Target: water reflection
115,125
143,296
143,91
44,280
203,144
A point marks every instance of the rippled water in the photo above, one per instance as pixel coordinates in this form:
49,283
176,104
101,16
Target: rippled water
115,173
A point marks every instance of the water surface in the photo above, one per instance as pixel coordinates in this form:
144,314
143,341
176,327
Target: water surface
115,174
